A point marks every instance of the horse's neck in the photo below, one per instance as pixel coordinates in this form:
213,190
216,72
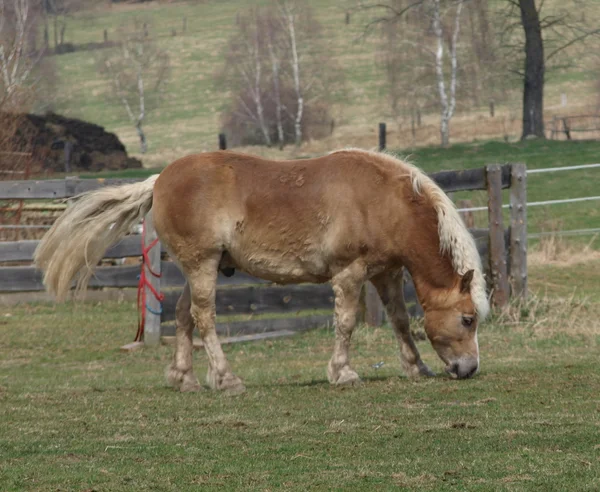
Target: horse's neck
432,272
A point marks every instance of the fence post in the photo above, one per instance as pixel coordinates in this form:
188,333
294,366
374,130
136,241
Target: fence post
497,246
153,306
374,315
518,227
222,142
382,135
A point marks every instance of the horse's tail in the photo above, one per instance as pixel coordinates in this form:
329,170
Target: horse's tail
92,222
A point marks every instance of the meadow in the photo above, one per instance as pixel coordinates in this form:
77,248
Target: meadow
79,415
188,120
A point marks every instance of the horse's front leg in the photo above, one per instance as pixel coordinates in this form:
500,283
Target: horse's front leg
390,289
346,287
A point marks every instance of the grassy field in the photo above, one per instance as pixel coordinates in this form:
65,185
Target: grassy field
189,118
79,415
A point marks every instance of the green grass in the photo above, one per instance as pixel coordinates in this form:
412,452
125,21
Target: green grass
79,415
188,120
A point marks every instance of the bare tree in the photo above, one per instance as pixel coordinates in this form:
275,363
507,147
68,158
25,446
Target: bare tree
289,15
275,57
447,99
548,39
279,79
436,55
137,71
18,21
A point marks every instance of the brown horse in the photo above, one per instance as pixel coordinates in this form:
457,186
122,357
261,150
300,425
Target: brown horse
348,217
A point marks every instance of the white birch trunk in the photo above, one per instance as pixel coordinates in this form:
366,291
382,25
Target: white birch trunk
275,64
15,64
447,101
290,18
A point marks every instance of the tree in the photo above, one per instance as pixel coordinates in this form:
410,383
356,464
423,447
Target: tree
562,30
280,80
137,71
426,42
18,22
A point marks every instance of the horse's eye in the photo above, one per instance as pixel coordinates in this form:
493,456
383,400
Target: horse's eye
467,321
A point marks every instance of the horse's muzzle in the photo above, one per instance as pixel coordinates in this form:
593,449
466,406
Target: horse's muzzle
463,369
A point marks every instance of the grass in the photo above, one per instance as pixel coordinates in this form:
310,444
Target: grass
189,118
79,415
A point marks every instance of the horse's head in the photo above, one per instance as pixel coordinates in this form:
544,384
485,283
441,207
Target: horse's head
451,326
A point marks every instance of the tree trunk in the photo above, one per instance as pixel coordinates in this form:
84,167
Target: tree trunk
143,143
533,90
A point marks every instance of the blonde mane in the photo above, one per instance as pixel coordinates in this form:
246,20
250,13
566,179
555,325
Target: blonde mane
454,237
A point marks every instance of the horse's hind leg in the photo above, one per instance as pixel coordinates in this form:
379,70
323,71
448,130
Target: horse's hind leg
346,287
179,373
203,282
389,287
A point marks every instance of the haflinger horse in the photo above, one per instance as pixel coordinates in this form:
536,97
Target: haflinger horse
345,218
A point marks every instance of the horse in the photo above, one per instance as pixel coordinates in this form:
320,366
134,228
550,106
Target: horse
347,217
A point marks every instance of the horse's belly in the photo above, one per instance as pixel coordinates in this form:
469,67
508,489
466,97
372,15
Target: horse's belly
282,268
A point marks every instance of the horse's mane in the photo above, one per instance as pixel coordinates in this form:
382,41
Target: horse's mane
454,237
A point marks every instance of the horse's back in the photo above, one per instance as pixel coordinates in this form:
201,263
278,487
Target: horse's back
295,220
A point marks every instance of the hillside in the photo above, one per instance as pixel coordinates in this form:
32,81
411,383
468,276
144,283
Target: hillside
189,118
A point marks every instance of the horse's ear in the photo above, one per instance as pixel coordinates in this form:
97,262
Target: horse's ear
465,282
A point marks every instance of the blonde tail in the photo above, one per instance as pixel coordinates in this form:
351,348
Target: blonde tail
92,223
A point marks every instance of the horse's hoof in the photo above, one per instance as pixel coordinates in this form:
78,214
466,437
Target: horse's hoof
189,386
418,370
228,383
347,377
182,380
425,371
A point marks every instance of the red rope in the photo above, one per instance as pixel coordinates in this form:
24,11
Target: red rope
143,283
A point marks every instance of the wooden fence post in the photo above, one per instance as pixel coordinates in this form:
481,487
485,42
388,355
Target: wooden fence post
374,315
222,141
518,227
382,135
497,246
153,305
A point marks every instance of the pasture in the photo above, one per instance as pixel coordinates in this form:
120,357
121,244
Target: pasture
79,415
188,120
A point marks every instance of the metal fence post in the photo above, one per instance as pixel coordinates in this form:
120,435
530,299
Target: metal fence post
153,305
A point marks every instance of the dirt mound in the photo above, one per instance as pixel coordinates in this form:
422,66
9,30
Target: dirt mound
60,144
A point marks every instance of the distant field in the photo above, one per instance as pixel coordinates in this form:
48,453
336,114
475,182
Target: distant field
79,415
189,119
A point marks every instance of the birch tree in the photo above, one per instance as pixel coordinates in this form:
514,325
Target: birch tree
137,72
18,21
426,64
279,78
447,96
289,17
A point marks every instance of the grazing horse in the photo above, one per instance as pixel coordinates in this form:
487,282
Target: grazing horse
347,217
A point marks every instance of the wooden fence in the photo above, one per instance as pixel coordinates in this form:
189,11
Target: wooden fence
242,298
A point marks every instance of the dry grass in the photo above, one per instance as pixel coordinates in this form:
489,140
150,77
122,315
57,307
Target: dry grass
558,250
544,317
